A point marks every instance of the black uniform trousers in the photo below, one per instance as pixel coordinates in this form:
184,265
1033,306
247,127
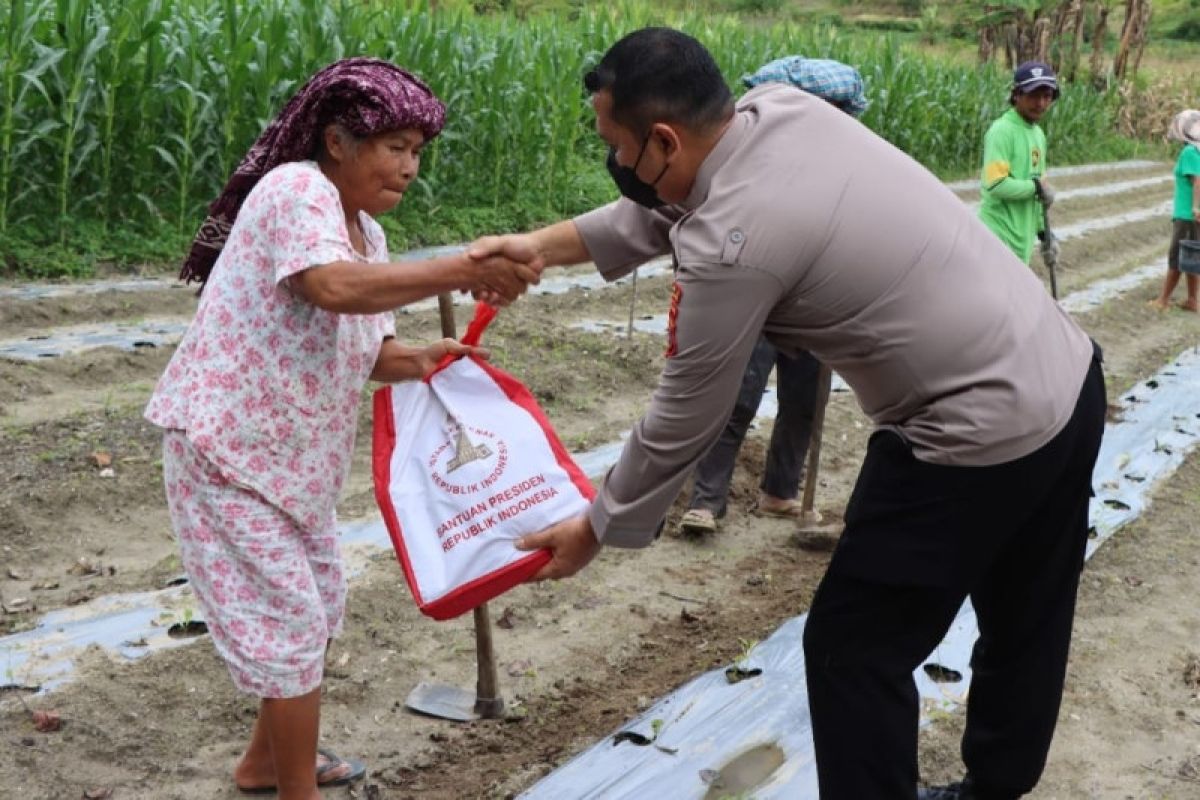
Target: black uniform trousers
920,538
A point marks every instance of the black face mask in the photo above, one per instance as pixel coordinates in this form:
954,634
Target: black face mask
629,184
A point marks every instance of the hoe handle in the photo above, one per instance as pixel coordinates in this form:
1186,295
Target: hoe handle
488,703
1053,263
824,381
446,315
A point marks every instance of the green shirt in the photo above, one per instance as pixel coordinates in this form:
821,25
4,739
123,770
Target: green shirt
1186,166
1014,153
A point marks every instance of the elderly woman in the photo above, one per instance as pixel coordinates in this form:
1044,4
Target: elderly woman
259,403
1185,219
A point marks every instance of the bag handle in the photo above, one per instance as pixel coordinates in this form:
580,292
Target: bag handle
484,314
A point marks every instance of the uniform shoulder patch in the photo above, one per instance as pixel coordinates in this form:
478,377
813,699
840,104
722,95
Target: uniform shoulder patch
672,319
996,171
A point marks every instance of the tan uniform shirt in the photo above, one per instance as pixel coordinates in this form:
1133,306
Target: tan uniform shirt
804,224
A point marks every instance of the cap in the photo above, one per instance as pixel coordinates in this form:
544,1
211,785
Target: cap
1034,75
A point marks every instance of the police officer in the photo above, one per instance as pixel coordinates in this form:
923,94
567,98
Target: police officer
789,218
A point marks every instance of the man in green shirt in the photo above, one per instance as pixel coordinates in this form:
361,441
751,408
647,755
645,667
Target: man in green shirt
1014,161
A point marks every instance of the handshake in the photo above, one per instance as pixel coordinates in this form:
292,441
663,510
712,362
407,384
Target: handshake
502,268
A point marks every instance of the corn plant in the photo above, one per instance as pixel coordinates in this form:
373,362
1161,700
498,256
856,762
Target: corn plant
133,31
20,72
192,107
234,74
82,34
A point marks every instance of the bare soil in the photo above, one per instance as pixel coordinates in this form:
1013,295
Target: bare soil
577,658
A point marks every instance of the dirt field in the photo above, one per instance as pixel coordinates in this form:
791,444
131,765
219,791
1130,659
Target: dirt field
82,517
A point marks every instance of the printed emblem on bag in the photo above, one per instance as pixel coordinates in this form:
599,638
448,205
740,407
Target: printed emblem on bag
481,503
463,445
465,452
672,319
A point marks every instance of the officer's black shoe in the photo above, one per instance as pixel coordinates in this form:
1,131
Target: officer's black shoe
959,790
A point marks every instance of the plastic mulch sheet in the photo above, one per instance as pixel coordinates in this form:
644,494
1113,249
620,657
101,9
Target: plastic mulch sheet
76,339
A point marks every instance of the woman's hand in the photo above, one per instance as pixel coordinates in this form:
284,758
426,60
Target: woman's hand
429,357
398,362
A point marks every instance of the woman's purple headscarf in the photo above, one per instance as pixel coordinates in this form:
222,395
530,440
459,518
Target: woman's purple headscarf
367,96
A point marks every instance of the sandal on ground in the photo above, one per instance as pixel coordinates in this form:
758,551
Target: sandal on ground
332,770
1188,307
698,520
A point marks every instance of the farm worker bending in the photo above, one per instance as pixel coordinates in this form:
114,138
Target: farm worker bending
796,374
1185,216
1014,163
260,400
787,217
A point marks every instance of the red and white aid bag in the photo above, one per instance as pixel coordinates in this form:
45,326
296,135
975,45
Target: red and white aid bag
465,462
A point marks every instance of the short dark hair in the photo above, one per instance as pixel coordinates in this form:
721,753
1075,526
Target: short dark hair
661,74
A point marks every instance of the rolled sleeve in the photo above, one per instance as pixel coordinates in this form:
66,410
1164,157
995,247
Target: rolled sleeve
720,314
622,235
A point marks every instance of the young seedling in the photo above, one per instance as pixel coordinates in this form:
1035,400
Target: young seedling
187,627
641,740
739,671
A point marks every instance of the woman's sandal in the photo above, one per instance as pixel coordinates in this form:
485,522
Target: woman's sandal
332,770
